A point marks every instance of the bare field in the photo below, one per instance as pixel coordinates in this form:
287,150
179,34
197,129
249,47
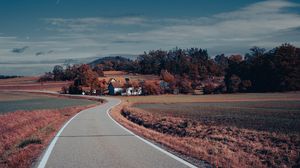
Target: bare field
214,98
31,83
237,130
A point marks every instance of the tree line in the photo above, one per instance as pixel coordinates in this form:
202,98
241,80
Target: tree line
185,69
257,71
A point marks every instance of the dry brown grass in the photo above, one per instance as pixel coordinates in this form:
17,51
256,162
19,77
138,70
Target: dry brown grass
220,146
25,134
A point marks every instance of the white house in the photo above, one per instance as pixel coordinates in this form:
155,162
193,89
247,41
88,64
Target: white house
131,91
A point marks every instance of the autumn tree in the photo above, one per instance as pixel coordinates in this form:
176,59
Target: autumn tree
87,77
151,88
166,76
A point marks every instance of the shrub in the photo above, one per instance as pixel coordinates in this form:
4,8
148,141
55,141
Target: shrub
166,76
29,141
151,88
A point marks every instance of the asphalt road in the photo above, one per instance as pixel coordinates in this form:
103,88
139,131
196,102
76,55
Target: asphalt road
93,139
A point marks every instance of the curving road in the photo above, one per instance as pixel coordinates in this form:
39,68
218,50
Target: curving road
93,139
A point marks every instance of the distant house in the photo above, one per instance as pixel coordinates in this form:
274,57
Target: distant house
115,88
131,91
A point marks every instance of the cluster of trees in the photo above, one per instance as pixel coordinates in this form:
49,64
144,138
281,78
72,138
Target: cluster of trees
194,63
81,75
257,71
172,84
264,71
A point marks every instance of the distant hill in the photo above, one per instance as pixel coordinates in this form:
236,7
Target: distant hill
111,59
114,63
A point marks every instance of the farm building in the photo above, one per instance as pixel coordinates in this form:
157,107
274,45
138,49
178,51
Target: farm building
115,88
131,91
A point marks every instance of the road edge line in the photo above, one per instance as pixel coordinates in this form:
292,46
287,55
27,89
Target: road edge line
47,154
148,142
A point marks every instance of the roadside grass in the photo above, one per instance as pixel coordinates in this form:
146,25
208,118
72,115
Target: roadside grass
213,131
25,134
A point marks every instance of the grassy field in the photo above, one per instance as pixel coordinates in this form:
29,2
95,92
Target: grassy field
14,101
230,130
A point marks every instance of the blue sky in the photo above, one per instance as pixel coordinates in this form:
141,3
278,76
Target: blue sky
35,34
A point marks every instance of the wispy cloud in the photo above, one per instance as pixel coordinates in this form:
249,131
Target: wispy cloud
89,24
44,53
232,31
19,50
39,53
265,24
